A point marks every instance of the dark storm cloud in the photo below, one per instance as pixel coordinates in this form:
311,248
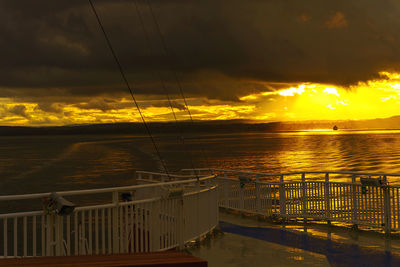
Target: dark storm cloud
174,104
104,104
50,107
223,49
19,110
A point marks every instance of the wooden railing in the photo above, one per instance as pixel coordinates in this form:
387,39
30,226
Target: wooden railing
118,225
366,199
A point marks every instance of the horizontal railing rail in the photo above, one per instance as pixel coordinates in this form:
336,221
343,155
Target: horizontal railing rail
263,174
103,190
368,199
164,221
162,176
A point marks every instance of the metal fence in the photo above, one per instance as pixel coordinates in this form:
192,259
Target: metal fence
162,215
366,199
169,219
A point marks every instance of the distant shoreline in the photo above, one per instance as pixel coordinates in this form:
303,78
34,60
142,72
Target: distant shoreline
234,126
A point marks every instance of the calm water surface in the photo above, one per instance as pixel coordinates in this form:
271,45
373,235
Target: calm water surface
54,163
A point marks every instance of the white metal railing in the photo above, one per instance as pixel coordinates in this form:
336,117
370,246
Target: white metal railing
157,223
161,177
319,196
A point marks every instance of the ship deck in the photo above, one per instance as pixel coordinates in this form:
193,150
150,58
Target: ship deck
152,259
246,241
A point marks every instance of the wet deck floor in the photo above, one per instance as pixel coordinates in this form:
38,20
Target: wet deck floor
236,250
249,242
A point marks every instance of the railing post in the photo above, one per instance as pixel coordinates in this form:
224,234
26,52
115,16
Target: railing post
181,224
198,185
49,235
327,199
216,210
386,202
115,222
139,175
241,198
304,192
208,212
258,199
155,226
5,241
57,241
353,181
198,209
226,190
282,198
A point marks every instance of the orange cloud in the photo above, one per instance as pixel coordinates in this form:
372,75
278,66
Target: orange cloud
337,21
304,17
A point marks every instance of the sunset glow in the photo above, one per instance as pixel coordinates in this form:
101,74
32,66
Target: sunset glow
305,101
327,102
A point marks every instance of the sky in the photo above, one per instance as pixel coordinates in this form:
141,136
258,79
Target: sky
285,60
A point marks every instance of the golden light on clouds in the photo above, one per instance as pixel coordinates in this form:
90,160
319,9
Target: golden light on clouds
293,91
378,98
336,21
373,99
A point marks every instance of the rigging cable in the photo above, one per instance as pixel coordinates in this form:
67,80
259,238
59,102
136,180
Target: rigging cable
128,86
159,77
169,56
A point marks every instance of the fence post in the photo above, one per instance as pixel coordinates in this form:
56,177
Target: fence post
226,190
5,240
241,198
282,198
386,202
327,199
198,209
353,181
304,192
181,224
258,199
155,226
115,222
58,236
216,210
49,235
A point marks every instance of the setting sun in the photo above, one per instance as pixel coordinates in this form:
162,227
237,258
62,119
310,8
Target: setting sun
367,100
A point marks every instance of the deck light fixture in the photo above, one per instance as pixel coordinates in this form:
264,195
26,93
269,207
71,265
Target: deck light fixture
58,205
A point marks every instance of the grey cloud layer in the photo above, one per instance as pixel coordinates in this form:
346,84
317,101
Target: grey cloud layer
224,49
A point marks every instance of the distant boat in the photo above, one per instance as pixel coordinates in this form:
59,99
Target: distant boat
335,128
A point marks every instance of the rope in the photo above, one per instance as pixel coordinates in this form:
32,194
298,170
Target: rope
158,76
169,56
128,86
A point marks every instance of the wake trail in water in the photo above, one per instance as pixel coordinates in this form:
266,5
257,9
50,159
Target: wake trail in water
61,157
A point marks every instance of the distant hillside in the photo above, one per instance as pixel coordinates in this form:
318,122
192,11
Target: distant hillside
387,123
138,128
200,127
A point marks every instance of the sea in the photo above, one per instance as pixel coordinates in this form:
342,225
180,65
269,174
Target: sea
33,164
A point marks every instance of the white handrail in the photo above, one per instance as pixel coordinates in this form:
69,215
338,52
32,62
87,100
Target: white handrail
294,173
160,222
165,174
102,190
365,202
